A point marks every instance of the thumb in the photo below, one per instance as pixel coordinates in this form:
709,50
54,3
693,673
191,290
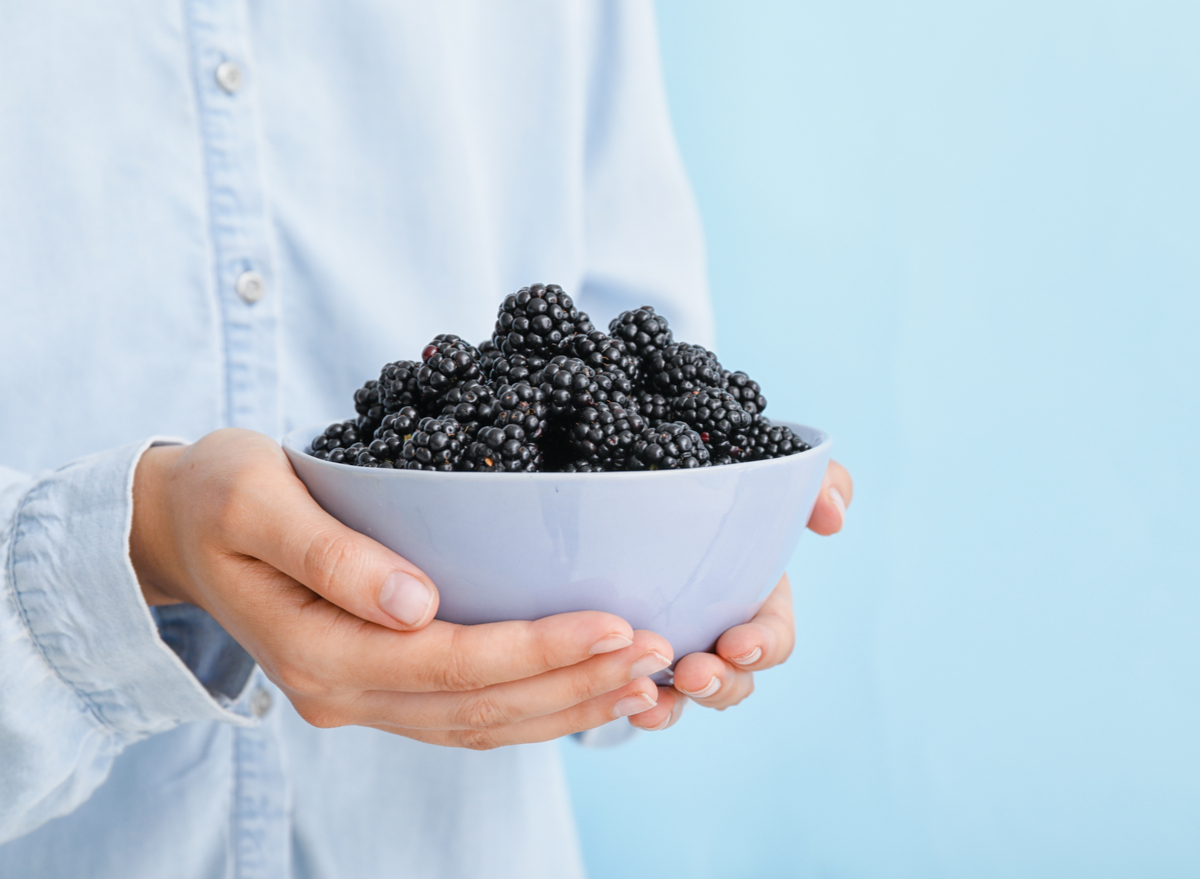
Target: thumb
349,569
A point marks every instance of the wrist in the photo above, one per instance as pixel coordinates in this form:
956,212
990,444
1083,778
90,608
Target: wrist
150,535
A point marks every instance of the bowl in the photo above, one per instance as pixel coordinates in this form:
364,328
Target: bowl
684,553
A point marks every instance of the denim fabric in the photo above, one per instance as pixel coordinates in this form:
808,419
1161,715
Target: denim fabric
390,171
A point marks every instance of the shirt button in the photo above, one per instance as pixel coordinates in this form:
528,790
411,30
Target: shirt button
251,286
260,702
229,76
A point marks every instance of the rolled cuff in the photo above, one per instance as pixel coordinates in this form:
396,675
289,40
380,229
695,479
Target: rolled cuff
79,596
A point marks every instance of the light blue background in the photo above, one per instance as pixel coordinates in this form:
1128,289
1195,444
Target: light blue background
965,239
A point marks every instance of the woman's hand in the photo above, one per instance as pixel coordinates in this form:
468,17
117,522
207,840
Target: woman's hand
727,677
344,626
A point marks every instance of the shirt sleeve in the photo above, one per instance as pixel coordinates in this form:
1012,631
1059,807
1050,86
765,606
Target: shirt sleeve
84,672
642,228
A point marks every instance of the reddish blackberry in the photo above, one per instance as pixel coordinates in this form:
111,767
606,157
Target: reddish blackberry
680,368
569,386
745,390
642,331
670,446
517,368
337,437
603,435
654,408
603,353
448,362
765,440
501,450
538,320
714,414
521,404
437,444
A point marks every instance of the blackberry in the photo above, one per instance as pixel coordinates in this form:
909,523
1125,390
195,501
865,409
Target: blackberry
368,403
436,444
603,353
745,390
677,369
448,361
604,435
538,320
714,414
521,404
570,386
654,408
470,402
642,331
765,440
670,446
337,437
398,382
395,429
501,450
517,368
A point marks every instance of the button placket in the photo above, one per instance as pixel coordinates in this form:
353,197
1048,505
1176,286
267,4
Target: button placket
239,225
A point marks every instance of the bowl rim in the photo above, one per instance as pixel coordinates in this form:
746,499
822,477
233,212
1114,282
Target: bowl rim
298,439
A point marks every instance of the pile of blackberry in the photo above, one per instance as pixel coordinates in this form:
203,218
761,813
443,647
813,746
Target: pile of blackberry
551,392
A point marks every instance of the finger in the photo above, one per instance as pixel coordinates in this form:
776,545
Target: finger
768,639
837,490
517,701
329,649
632,699
270,515
664,715
710,681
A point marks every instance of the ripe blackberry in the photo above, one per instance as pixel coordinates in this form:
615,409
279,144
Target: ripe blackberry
714,414
570,386
521,404
337,437
470,402
765,440
680,368
517,368
538,320
745,390
398,382
604,435
448,361
654,408
642,331
603,353
436,444
670,446
501,450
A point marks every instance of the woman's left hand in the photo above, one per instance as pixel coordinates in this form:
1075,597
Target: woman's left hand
719,680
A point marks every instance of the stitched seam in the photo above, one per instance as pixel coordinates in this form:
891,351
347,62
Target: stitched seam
11,566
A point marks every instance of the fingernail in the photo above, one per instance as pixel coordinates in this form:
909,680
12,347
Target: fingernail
710,689
633,705
609,643
648,665
750,658
405,598
675,714
838,501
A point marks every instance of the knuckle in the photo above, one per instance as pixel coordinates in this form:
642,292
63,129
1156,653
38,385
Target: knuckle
321,716
483,713
329,559
296,678
477,740
453,673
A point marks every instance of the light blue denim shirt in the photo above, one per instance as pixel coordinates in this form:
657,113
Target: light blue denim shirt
220,212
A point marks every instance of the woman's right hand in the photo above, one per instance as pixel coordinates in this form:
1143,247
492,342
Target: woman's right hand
345,627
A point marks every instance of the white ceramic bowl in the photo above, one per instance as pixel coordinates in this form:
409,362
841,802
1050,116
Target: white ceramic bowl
685,553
